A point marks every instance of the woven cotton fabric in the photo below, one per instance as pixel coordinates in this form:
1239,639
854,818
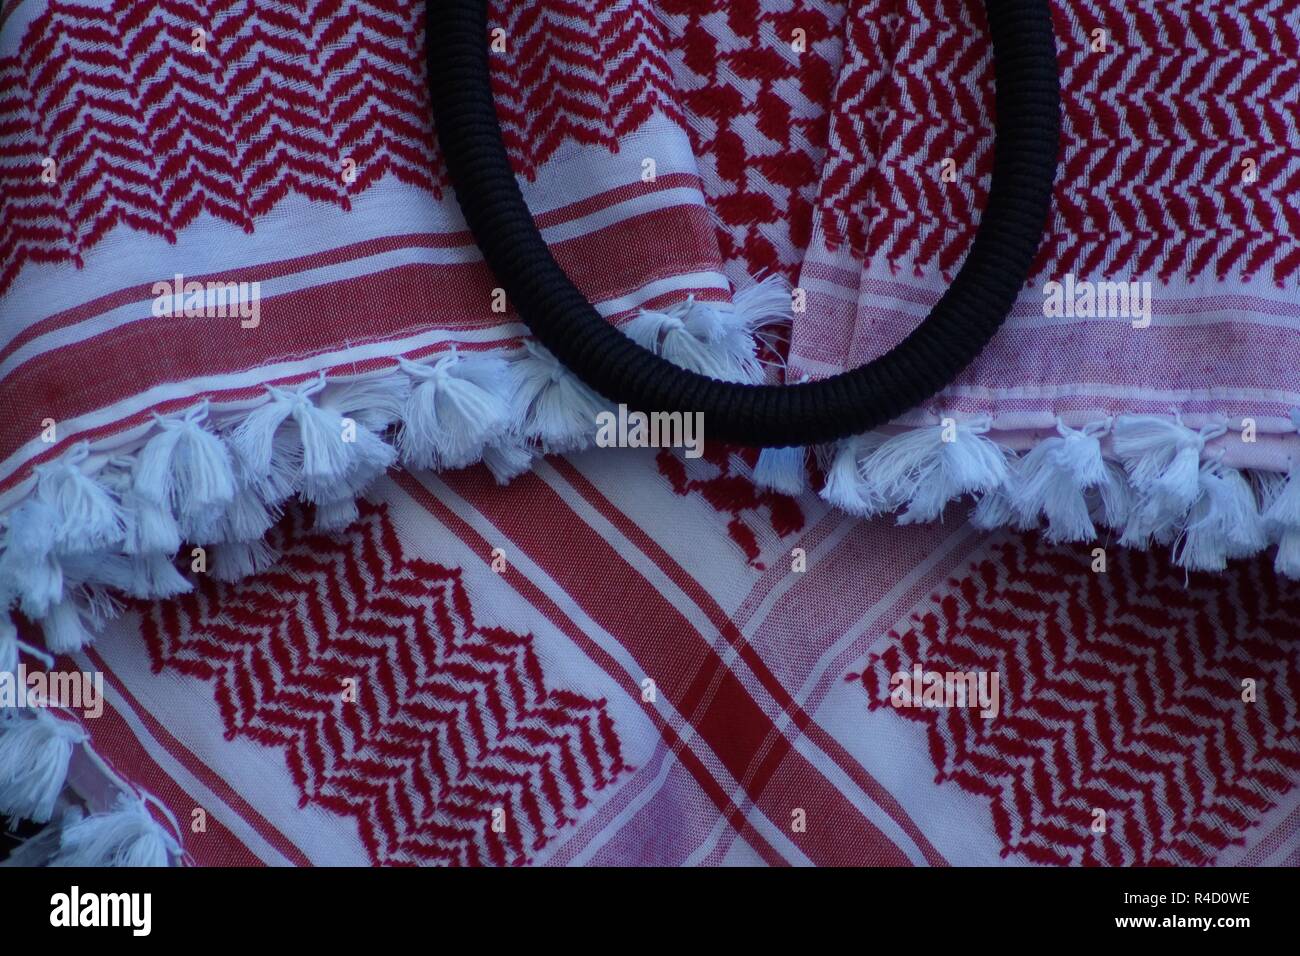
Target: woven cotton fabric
464,636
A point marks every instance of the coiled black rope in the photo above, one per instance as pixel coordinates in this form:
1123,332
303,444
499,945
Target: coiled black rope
960,325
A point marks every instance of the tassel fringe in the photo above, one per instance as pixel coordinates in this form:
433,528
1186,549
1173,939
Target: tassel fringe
34,754
127,835
1164,487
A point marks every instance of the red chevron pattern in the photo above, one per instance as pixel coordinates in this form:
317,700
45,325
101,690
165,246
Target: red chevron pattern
1120,691
585,71
149,124
757,113
1156,128
453,752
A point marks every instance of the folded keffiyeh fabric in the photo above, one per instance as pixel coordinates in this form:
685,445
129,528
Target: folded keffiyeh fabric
285,471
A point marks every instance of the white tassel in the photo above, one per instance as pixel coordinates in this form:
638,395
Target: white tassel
185,470
87,518
65,628
233,561
1282,521
1053,478
783,470
1287,561
28,566
925,472
8,644
327,460
995,508
150,526
155,576
34,754
374,403
766,302
1163,459
1224,522
557,410
333,516
284,477
331,459
507,459
246,517
714,340
845,487
457,406
255,445
371,457
1115,502
127,835
146,576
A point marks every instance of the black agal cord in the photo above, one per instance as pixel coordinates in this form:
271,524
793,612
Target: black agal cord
960,325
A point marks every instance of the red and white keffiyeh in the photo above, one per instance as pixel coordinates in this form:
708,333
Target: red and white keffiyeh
249,352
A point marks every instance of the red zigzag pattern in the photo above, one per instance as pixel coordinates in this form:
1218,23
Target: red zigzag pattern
452,722
1120,691
148,132
1155,130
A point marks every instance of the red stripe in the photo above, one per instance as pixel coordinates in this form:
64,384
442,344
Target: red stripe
116,744
175,405
264,272
98,372
769,681
630,683
202,772
685,667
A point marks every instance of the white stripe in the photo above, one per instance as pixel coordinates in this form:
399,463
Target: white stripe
1097,389
643,566
949,544
127,257
251,378
141,309
203,797
614,648
788,581
615,826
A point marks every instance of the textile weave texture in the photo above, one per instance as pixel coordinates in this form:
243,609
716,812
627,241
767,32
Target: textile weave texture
283,465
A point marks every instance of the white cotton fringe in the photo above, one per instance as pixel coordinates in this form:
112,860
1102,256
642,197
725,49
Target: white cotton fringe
201,489
93,525
916,473
126,835
35,749
1158,484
